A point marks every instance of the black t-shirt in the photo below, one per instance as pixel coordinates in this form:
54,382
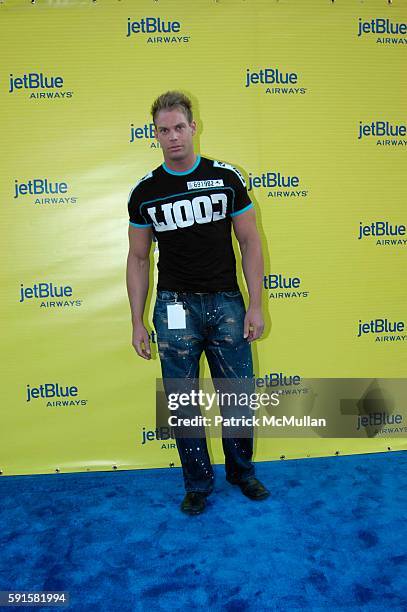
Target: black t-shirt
190,214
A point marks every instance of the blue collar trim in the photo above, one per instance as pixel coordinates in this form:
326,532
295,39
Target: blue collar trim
194,167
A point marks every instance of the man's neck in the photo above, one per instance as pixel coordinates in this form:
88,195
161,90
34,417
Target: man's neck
181,165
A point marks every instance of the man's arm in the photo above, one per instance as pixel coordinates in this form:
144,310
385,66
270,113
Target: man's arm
137,278
244,226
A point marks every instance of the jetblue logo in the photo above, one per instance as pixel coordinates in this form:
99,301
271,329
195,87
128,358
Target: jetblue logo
49,295
384,26
281,287
34,81
385,233
159,31
384,330
56,394
383,419
183,213
277,379
51,192
143,132
287,384
160,433
391,133
282,82
278,184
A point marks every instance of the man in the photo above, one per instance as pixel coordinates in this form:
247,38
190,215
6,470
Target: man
190,203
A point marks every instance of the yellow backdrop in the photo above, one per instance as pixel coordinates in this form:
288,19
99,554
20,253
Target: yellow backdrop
306,98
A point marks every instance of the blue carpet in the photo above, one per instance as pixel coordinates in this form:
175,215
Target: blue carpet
332,536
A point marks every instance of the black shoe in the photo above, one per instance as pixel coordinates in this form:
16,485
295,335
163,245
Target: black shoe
253,488
194,502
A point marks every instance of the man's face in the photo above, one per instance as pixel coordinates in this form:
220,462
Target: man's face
174,134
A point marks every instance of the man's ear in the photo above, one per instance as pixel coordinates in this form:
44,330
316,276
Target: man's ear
193,126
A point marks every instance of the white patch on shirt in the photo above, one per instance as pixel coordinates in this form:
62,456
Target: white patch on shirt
147,176
206,183
220,164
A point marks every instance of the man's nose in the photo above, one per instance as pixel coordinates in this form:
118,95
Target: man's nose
173,135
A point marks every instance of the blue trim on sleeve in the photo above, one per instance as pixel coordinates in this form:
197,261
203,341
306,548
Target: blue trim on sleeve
194,167
139,225
239,212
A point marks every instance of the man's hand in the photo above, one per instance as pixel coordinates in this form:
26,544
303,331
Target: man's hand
253,324
141,341
244,226
137,279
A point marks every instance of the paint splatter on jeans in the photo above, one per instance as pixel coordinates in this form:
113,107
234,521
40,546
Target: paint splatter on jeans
214,325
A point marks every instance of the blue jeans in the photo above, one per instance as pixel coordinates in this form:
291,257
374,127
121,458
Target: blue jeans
214,324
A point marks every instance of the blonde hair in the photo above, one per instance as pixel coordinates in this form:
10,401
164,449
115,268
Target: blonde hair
170,100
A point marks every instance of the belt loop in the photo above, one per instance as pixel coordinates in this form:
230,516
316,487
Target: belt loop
181,297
